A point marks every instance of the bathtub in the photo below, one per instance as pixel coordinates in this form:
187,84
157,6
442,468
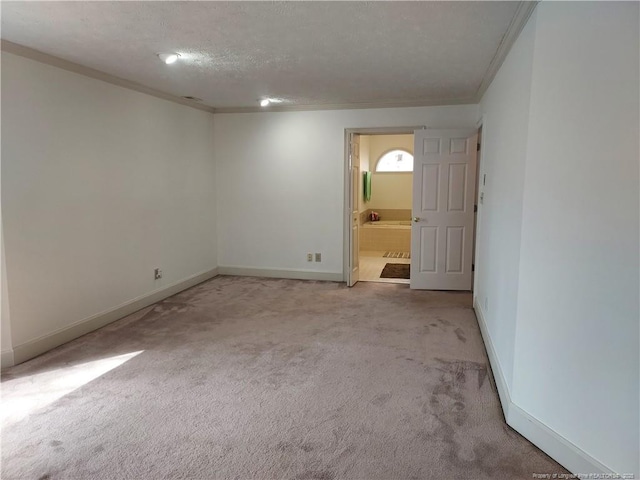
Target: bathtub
388,223
386,236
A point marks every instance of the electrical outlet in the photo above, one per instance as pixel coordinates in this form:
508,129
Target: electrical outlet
318,257
309,257
157,273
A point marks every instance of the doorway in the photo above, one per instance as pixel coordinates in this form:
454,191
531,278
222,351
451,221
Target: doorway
378,204
385,186
439,217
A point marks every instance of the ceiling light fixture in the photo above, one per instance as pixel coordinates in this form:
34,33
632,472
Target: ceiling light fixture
169,58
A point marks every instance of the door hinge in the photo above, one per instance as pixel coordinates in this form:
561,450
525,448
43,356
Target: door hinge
478,148
475,208
473,267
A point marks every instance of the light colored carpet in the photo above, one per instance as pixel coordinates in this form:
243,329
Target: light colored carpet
248,378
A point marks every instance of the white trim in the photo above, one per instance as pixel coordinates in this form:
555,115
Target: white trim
40,345
424,102
57,62
277,273
553,444
496,368
346,208
385,130
6,359
519,20
572,457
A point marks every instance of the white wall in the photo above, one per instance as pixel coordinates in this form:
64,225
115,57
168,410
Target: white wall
563,313
100,185
578,292
281,181
505,111
390,190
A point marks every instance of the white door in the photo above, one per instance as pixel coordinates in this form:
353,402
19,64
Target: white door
444,173
354,172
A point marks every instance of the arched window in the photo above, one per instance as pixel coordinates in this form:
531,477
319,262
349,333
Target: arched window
395,161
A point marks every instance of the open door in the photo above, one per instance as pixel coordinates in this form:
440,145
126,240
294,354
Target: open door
354,173
444,174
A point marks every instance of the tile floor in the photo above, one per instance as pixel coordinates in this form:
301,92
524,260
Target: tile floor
372,263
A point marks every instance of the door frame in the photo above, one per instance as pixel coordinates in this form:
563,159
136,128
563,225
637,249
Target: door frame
480,182
346,210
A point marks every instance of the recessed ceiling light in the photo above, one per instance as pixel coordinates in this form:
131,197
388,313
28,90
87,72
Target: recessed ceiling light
169,58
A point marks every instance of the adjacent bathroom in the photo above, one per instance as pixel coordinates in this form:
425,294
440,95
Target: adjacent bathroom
386,186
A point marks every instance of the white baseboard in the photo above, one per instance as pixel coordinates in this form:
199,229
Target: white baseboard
545,438
6,359
553,444
47,342
498,374
271,273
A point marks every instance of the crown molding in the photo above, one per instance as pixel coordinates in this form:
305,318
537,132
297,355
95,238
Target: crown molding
426,102
519,20
41,57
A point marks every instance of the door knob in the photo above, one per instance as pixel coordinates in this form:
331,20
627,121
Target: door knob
416,219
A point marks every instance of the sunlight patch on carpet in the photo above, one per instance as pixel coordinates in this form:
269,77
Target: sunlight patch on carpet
33,392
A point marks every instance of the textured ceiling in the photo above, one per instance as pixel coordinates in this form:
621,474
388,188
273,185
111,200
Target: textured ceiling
308,53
